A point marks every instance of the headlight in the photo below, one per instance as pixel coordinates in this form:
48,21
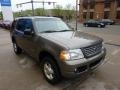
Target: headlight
71,55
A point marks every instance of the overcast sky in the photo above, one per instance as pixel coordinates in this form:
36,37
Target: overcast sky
28,6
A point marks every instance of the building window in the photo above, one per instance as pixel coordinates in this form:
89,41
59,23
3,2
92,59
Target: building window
91,15
92,4
118,15
84,15
118,3
107,3
106,14
85,4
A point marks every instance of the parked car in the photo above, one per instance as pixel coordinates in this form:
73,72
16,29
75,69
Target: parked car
107,21
1,22
6,24
93,23
60,51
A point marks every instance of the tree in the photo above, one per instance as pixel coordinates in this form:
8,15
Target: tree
39,12
57,11
69,12
1,16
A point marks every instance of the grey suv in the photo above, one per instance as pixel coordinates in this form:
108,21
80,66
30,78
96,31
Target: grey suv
59,50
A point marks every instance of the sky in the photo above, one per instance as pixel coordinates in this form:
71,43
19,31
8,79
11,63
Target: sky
28,6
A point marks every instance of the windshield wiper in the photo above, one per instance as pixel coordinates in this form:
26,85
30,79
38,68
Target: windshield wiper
50,31
64,30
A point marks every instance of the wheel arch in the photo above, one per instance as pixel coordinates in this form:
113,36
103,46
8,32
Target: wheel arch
43,54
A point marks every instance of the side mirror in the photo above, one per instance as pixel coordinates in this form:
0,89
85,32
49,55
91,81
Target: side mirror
28,32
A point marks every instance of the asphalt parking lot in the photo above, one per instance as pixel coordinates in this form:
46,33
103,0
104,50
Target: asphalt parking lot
22,72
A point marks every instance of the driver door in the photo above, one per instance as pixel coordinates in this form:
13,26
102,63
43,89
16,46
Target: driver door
30,40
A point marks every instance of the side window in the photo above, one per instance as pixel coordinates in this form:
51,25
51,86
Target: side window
20,25
90,21
28,24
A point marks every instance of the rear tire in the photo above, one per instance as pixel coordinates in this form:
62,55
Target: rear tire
50,70
86,25
99,26
16,48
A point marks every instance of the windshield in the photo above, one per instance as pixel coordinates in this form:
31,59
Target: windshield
43,25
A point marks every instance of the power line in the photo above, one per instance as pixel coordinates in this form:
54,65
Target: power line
32,5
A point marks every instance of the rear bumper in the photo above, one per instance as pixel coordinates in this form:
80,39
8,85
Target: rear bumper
71,69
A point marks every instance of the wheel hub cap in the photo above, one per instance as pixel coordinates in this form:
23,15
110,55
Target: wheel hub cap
49,73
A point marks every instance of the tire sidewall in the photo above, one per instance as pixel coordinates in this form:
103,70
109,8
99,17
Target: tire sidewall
18,49
99,26
54,66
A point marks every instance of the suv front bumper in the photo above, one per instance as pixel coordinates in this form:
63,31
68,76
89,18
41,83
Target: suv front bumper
74,68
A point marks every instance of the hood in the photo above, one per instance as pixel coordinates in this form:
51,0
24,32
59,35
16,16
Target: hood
72,39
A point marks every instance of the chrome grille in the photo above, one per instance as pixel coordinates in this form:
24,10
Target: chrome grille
92,50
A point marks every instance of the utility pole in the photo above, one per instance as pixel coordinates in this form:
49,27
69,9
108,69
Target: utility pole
43,7
76,26
33,11
32,5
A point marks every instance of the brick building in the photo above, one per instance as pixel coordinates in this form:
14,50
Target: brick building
99,9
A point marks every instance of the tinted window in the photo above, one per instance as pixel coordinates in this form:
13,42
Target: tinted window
24,24
93,21
21,25
28,24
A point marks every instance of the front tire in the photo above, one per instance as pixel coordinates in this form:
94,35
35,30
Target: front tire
50,70
17,49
